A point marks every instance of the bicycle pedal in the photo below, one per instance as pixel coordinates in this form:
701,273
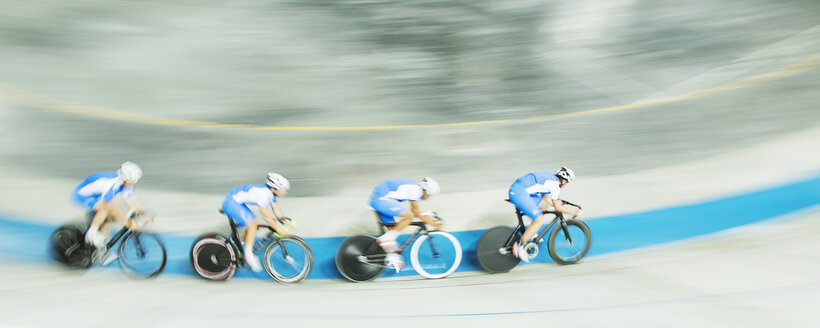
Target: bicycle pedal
531,249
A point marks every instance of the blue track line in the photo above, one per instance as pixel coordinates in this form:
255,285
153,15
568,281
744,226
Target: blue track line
23,240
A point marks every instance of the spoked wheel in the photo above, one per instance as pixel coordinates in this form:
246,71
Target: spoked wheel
142,255
69,248
360,258
212,258
288,259
435,255
561,250
492,250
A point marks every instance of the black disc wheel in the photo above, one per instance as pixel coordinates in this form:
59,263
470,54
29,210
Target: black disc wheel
360,258
569,245
69,248
493,251
212,258
142,255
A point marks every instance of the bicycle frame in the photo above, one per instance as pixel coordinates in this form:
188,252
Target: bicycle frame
520,228
378,259
235,242
124,231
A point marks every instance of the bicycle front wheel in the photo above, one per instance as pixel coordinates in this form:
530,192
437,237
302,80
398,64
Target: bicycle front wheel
436,255
288,259
564,251
360,258
142,255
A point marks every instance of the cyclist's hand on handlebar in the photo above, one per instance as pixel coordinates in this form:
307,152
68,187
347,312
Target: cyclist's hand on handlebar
290,223
283,230
434,221
578,213
133,224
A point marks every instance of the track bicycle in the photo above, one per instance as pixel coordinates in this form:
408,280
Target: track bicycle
567,243
217,257
141,254
434,254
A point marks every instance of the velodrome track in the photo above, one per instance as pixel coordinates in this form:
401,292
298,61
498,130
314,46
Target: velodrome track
704,106
757,275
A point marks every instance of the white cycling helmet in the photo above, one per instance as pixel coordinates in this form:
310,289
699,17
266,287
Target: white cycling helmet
129,172
566,174
277,181
430,186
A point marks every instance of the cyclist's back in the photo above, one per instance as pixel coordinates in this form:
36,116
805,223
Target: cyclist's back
256,194
105,185
398,190
539,183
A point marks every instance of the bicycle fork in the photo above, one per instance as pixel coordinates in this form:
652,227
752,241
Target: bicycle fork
270,237
433,246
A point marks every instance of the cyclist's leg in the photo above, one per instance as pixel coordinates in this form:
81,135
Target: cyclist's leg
389,211
93,235
244,218
240,214
528,205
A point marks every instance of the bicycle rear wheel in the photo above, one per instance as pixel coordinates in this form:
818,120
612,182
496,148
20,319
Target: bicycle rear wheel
69,248
360,258
213,258
489,250
292,267
561,250
436,255
142,255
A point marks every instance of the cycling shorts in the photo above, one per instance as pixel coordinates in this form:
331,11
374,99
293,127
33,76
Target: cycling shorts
388,209
526,203
238,213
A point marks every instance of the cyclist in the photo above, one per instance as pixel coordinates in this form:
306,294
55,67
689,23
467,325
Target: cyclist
386,200
532,194
96,193
264,196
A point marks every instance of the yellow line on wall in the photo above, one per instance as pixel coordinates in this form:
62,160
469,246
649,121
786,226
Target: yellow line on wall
46,102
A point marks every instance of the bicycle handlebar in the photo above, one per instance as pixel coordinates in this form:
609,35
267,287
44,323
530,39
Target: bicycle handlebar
571,204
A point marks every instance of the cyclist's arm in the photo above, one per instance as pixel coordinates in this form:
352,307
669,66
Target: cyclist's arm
276,211
414,208
134,203
563,209
544,205
114,212
269,219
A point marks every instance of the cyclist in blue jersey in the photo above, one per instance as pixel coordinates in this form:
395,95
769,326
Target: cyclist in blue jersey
387,199
264,196
533,193
96,193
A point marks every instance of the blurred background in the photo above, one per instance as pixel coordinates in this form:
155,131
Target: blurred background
653,103
89,84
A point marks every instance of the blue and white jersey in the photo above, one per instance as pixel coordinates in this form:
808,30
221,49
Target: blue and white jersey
397,189
256,194
540,183
103,185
